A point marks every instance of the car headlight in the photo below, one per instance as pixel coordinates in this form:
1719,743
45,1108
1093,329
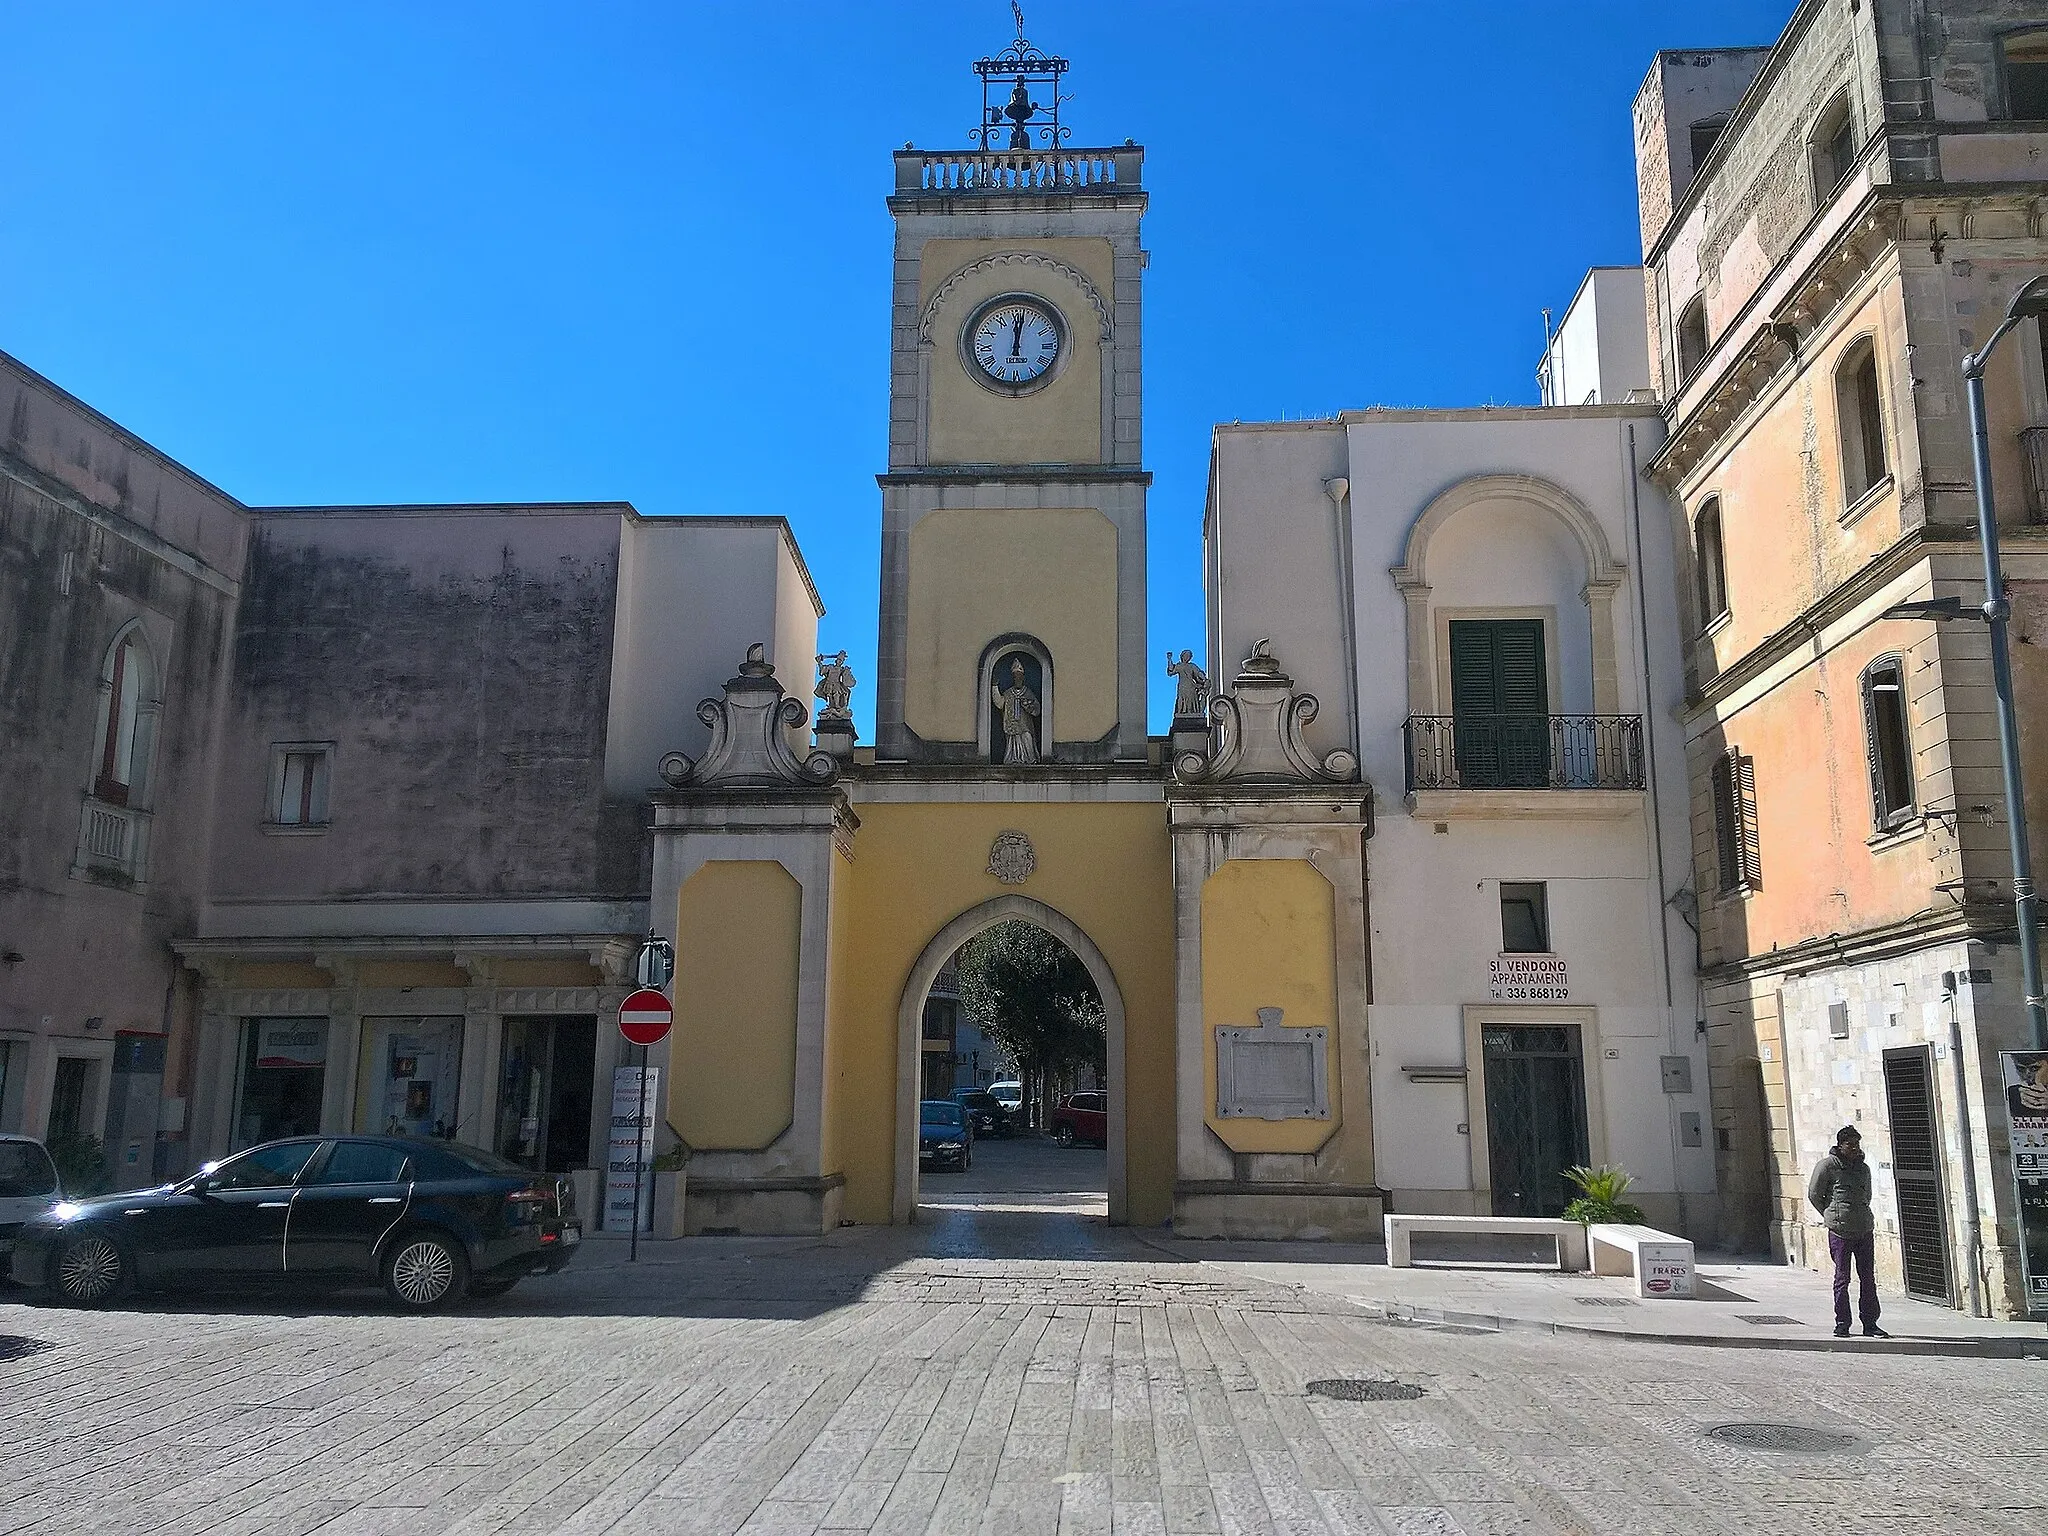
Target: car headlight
65,1210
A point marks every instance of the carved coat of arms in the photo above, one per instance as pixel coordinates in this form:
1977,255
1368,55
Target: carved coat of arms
1011,859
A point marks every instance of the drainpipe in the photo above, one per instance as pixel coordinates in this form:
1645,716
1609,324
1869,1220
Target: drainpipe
1656,822
1339,492
1973,1228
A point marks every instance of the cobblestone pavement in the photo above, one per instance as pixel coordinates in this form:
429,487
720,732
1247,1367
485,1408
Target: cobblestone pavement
943,1380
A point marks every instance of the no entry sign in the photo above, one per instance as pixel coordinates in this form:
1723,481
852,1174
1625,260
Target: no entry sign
644,1017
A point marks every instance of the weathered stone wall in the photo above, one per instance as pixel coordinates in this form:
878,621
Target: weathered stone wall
98,530
460,661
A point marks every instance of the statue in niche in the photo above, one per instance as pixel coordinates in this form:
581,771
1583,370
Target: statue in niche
1020,715
835,687
1190,687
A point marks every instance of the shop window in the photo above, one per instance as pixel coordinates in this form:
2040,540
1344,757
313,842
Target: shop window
406,1082
1524,917
299,773
2025,59
1692,338
1859,415
1735,836
1889,743
283,1079
546,1077
1710,568
1833,149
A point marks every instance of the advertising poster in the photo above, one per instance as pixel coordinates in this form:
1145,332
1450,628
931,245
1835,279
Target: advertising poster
631,1145
2024,1075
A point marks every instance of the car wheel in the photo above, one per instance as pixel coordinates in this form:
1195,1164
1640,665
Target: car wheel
1063,1135
426,1270
90,1271
484,1290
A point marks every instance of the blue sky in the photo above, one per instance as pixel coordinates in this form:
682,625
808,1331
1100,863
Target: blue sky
437,252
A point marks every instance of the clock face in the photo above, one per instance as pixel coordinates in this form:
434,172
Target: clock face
1015,342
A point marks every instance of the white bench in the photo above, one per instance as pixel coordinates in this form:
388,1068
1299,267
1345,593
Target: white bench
1571,1237
1661,1263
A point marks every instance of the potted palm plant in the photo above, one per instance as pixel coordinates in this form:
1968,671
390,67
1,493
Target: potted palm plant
1599,1200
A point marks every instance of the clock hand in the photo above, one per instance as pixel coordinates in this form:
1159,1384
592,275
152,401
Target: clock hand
1017,337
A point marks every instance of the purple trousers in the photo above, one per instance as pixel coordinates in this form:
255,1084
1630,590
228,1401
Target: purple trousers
1862,1251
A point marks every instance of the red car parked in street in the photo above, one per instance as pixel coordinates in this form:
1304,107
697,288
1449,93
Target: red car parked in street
1081,1117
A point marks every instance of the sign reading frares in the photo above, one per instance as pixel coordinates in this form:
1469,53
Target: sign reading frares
1529,979
2024,1076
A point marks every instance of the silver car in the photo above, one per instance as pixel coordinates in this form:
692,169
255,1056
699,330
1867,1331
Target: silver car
28,1187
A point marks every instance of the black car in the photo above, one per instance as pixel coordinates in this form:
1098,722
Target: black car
432,1221
985,1112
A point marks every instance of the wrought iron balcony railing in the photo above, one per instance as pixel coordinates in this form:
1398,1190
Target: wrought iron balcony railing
1524,751
1019,170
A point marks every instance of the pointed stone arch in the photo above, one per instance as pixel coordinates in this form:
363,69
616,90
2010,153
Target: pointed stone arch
1604,575
910,1020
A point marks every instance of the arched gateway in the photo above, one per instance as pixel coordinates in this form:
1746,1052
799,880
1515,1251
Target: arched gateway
909,1031
1213,885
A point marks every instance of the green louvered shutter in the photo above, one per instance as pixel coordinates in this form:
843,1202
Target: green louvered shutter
1500,703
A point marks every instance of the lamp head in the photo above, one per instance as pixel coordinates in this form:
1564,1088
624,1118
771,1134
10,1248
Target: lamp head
2032,299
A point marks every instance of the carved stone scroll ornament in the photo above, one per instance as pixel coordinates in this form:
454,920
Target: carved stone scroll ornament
749,749
1011,858
1256,733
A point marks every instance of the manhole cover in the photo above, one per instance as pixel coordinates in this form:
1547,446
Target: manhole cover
1767,1318
1347,1391
1798,1439
14,1346
1603,1301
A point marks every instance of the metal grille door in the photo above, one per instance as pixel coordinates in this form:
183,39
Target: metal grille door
1535,1115
1916,1170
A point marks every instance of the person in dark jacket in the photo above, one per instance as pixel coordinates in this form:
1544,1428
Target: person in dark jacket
1840,1191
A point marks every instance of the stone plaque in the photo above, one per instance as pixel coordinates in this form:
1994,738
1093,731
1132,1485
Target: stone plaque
1272,1072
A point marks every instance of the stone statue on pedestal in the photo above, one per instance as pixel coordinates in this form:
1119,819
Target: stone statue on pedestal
1191,686
1020,716
835,687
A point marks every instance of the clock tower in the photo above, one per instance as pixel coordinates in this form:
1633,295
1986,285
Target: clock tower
1013,507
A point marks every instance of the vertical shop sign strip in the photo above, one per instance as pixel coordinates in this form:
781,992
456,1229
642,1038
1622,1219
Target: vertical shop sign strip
2024,1075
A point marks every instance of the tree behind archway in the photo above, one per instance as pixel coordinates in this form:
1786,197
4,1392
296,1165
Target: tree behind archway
1031,993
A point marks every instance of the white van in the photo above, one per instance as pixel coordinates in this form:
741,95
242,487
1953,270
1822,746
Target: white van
28,1186
1009,1095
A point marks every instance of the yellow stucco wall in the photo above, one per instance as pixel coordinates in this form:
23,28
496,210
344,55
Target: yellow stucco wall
1269,940
1106,867
1059,424
737,926
1048,572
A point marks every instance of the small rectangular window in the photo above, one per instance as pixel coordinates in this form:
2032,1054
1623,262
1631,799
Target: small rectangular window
298,784
1524,918
2026,76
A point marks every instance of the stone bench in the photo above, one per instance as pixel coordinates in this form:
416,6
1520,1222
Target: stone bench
1661,1263
1571,1237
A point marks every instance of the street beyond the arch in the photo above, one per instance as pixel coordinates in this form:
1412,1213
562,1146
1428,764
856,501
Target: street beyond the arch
1011,1363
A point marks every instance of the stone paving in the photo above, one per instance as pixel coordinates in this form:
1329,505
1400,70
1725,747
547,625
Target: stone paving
942,1380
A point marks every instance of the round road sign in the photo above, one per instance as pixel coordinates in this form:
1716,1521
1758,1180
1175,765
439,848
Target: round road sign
644,1017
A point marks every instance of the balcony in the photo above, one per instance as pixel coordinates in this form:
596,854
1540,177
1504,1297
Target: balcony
113,842
1524,765
1026,171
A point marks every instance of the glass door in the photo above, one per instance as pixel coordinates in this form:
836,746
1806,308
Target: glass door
545,1085
284,1075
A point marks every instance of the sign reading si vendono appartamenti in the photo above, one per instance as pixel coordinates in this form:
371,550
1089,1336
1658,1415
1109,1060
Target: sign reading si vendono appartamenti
1529,979
2024,1075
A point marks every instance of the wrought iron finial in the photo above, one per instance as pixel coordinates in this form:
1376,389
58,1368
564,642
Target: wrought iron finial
1017,121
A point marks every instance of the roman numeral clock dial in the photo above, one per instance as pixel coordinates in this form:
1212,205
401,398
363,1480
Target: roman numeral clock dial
1014,342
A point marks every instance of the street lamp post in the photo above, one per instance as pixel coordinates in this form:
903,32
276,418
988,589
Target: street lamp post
2030,301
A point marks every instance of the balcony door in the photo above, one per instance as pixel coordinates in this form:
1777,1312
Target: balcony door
1500,703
